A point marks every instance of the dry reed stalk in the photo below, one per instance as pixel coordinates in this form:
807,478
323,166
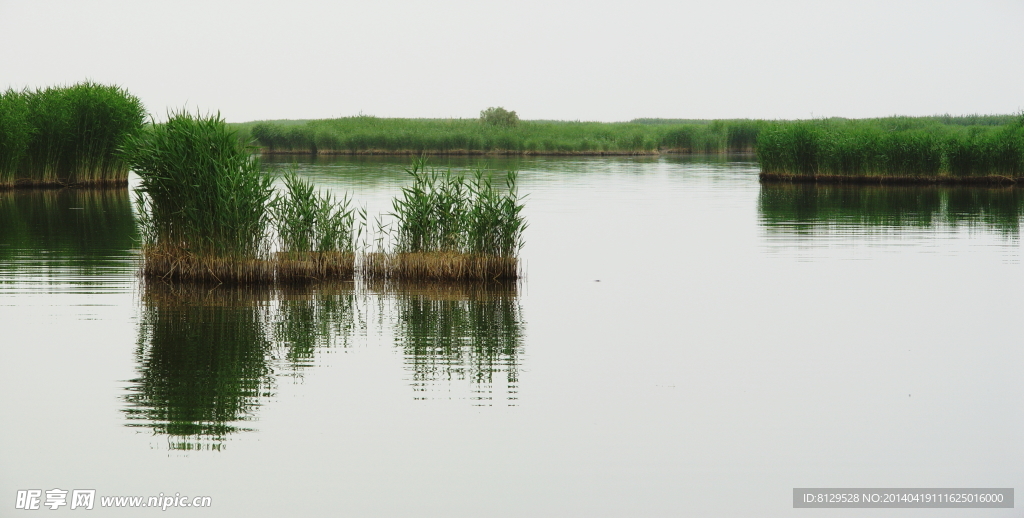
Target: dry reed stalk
313,266
182,265
442,266
377,265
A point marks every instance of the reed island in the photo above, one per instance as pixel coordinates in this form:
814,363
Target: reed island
66,136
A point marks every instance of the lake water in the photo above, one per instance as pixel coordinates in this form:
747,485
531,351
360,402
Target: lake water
686,342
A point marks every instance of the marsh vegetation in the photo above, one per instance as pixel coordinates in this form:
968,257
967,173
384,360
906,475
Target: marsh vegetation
204,205
67,135
499,132
898,149
449,228
207,213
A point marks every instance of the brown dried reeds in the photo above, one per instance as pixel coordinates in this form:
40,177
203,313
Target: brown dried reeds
182,265
294,267
441,266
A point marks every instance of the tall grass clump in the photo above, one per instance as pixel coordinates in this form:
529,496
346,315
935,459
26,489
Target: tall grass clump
897,149
204,203
70,135
448,228
314,231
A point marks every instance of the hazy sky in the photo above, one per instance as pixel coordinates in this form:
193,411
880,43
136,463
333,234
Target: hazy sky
549,59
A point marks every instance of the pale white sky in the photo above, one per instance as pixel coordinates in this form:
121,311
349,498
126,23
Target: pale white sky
546,59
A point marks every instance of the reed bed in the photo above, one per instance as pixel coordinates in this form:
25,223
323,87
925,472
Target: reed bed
450,228
204,205
895,150
372,135
62,136
315,233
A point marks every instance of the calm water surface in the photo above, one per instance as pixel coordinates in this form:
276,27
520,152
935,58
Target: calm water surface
687,342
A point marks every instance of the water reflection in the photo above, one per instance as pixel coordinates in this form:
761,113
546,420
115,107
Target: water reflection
799,211
311,318
202,363
469,333
66,232
209,356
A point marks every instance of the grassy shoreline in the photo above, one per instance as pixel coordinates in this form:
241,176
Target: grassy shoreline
364,135
840,144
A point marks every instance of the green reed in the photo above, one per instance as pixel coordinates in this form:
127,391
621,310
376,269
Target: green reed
310,221
431,214
894,147
443,212
15,134
456,136
67,135
314,231
203,200
494,221
371,135
446,227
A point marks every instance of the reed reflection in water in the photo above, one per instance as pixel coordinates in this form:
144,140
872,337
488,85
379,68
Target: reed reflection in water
53,233
208,357
803,212
202,363
451,333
